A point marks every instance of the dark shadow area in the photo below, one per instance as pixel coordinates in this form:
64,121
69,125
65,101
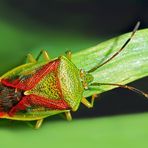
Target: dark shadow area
96,17
117,101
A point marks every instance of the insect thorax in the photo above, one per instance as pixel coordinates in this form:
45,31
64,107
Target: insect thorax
71,85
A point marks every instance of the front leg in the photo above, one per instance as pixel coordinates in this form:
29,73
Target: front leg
87,103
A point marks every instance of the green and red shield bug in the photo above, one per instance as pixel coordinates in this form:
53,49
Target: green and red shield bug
36,90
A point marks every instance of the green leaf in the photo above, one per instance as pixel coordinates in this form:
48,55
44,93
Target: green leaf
131,64
107,132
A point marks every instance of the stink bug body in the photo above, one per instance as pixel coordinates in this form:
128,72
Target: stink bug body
36,90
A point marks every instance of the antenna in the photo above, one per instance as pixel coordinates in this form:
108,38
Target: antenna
100,65
122,86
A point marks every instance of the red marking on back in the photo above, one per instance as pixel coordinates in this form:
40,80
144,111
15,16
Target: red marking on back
38,101
31,82
2,114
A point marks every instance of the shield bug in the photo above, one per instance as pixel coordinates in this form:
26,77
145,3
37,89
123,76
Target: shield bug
36,90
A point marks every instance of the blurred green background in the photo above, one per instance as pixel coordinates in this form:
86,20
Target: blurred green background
60,25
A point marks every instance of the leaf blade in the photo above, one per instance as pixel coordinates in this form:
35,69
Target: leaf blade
130,65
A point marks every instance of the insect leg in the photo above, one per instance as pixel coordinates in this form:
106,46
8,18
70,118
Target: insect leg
31,59
87,103
39,123
45,55
68,54
68,116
